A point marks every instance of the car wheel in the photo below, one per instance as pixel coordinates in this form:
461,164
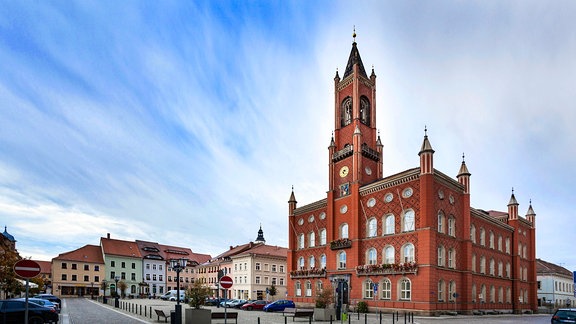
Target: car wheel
35,320
249,308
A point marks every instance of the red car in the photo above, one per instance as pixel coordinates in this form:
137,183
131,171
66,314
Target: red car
254,304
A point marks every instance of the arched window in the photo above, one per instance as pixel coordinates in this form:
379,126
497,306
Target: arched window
371,227
500,295
440,222
312,239
473,293
451,290
308,289
322,236
301,241
492,267
346,111
473,233
499,242
319,286
451,226
441,256
389,224
492,294
524,249
301,263
508,295
500,268
452,258
344,230
473,262
365,110
482,265
386,289
298,288
507,245
371,256
405,289
507,270
312,261
368,289
441,290
408,220
482,296
323,261
408,253
389,254
482,237
491,240
342,260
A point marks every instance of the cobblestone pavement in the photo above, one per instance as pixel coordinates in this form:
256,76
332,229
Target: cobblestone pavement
81,311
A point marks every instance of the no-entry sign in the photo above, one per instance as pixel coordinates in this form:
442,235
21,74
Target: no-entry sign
27,268
226,282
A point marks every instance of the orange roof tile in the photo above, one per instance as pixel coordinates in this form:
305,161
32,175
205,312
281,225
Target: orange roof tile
120,248
87,253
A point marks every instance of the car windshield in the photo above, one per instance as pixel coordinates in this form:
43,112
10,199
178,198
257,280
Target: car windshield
566,313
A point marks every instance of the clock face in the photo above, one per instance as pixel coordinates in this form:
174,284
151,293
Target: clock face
344,171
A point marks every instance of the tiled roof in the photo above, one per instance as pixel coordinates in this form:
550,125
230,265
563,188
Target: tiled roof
45,266
149,249
543,267
200,258
174,252
267,250
87,253
234,250
120,248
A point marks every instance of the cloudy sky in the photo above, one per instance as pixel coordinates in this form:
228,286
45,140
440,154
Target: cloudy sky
188,122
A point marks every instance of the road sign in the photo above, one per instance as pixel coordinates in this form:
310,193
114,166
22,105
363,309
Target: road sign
226,282
27,268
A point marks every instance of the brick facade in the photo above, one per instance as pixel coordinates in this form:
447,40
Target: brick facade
414,234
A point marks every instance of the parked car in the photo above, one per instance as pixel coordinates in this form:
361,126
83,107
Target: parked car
211,301
55,300
279,305
254,304
13,311
171,295
225,302
240,303
41,302
564,315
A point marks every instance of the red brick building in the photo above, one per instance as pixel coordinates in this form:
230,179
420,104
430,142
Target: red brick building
405,241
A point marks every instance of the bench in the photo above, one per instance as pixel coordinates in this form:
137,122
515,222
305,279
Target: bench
294,312
222,315
160,313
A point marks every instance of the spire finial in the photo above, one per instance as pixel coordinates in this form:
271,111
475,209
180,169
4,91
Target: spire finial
425,130
292,187
463,156
512,190
530,201
354,34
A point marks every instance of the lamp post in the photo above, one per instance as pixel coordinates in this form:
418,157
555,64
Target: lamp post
178,265
116,302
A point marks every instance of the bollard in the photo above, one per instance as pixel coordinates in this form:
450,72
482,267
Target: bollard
310,320
258,320
358,315
365,318
330,319
145,311
285,320
404,318
393,317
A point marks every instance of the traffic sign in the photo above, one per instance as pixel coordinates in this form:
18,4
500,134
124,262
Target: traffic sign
27,268
226,282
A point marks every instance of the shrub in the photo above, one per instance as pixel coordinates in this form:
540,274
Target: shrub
362,307
324,298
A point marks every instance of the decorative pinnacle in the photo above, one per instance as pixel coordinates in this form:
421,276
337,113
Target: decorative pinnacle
354,34
462,156
425,131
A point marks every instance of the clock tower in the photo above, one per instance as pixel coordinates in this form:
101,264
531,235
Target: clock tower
355,151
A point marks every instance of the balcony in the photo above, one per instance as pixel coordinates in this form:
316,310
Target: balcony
308,273
343,153
340,244
379,269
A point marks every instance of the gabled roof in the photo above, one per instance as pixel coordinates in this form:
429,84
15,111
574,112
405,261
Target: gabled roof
120,248
175,252
266,250
87,253
45,266
234,250
150,250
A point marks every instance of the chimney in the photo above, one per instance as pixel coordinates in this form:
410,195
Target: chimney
108,235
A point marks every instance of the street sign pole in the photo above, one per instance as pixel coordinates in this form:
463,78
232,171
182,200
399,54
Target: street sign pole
26,308
27,269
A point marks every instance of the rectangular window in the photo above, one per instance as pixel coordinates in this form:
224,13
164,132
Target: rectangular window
123,275
112,263
133,265
282,268
274,281
96,268
74,278
265,266
86,278
148,266
64,277
96,278
123,264
112,275
257,266
281,281
74,266
86,267
273,268
257,280
133,276
64,265
160,277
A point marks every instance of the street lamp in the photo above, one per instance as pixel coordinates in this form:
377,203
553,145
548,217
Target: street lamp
116,302
178,265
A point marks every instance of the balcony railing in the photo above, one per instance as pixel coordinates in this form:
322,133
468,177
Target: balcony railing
345,152
376,269
340,244
308,273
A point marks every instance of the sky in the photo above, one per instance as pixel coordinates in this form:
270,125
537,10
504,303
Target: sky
188,122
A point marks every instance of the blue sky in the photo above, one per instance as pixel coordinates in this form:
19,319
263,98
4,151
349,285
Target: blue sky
188,122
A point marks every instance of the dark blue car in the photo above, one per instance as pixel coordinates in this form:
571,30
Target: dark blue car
279,305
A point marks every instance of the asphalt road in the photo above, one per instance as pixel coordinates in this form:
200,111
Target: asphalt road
85,311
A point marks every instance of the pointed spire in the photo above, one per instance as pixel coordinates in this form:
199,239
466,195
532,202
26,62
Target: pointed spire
292,197
530,211
513,200
337,77
260,238
426,146
332,143
357,130
463,169
354,59
378,141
